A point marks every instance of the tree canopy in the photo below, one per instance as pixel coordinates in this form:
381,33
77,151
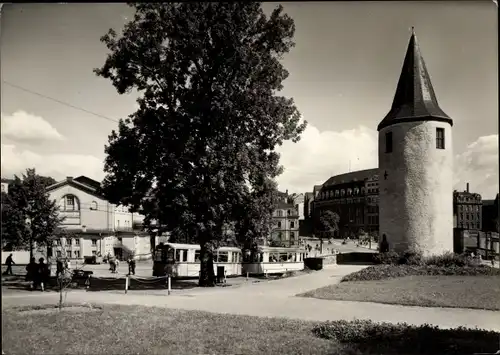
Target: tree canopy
200,150
28,215
329,223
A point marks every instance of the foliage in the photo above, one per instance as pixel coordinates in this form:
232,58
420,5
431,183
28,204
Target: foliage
328,223
381,272
447,259
200,148
28,215
402,338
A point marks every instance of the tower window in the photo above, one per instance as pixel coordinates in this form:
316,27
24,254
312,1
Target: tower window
388,142
440,138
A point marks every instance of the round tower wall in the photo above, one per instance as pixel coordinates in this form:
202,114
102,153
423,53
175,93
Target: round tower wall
416,188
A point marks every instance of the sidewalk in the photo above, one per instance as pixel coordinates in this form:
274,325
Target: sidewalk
277,299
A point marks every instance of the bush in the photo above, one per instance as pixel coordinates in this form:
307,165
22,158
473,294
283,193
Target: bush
381,272
389,258
407,339
411,257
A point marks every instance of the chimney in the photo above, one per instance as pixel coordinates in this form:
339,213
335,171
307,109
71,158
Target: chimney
286,192
467,187
69,178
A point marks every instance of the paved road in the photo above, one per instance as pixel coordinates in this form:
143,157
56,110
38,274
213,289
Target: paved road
277,299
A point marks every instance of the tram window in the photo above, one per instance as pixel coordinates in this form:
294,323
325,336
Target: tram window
179,254
222,257
273,258
283,257
197,256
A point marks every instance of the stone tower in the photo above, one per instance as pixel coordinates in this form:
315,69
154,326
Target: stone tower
416,164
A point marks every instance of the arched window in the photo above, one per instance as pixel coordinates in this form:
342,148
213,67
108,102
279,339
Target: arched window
69,203
342,192
93,205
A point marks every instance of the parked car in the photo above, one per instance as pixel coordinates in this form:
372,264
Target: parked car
94,259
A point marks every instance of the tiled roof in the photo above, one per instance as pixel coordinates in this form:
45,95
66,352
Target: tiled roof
415,99
359,175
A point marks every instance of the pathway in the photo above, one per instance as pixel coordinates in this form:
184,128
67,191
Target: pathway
276,299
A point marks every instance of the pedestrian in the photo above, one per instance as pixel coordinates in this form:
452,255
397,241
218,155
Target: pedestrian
112,264
43,273
59,267
31,271
384,244
9,262
131,265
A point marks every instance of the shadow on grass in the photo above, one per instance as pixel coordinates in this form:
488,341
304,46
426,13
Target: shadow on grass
104,284
387,338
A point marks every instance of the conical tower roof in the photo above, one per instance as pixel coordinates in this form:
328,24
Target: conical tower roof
415,99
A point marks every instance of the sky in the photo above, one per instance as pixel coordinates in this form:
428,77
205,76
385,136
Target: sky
343,74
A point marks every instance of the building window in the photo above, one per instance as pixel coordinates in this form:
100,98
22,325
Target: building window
292,235
68,241
388,142
93,206
440,138
77,254
280,213
58,253
68,253
94,242
279,224
77,241
94,252
292,225
280,235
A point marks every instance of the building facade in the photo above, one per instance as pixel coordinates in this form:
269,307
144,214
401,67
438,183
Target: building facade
93,226
489,217
5,185
467,210
347,195
415,164
285,230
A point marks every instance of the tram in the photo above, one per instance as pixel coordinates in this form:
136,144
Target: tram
273,260
186,260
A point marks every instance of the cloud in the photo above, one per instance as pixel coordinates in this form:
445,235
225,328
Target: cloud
58,166
22,126
478,165
320,155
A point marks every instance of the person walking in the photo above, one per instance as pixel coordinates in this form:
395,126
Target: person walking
384,244
31,271
43,273
131,265
9,262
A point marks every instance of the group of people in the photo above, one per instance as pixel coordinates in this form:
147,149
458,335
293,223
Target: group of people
114,263
37,274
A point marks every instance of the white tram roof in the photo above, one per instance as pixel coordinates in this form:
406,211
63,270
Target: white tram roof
282,249
197,247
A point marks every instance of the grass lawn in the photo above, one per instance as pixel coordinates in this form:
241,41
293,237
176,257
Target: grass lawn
479,292
147,330
114,329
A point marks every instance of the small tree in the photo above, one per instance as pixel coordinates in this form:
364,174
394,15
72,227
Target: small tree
28,215
329,224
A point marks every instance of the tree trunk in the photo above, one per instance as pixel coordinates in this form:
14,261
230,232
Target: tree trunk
321,246
31,248
207,274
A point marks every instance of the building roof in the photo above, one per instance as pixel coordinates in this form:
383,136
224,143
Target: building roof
77,184
88,181
488,202
7,180
359,175
415,99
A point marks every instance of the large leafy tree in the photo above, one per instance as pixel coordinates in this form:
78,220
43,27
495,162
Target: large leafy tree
201,145
28,214
329,224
